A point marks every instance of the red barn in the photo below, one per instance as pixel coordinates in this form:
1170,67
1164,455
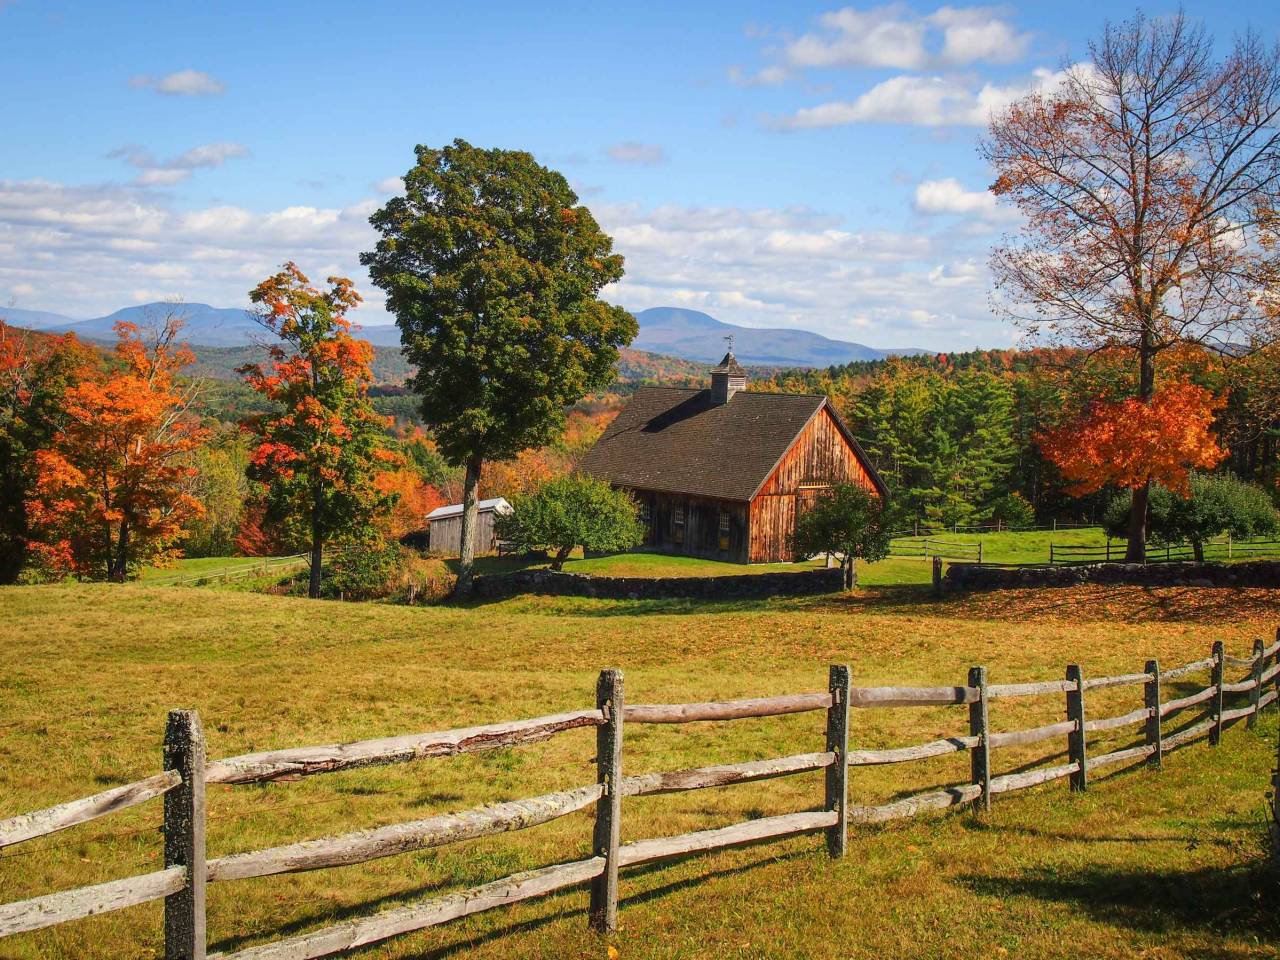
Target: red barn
723,473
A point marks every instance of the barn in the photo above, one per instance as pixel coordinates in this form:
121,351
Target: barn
445,526
723,473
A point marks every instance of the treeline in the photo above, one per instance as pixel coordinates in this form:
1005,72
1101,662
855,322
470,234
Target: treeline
959,437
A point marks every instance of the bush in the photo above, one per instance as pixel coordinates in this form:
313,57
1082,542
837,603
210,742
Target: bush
365,569
849,521
569,511
1013,511
1217,504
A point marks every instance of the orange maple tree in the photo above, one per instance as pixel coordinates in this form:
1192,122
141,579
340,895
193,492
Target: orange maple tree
1130,443
112,484
414,499
319,457
36,370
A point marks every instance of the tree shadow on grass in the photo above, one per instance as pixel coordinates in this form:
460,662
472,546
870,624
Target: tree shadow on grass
1238,901
1084,603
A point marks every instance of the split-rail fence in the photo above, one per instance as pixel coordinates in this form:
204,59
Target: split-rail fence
187,773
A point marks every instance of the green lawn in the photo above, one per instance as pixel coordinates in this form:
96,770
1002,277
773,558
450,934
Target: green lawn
1162,865
1023,546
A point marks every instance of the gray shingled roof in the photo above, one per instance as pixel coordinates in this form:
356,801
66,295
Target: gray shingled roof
677,441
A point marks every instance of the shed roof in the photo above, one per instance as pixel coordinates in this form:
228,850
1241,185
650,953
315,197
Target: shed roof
455,509
676,440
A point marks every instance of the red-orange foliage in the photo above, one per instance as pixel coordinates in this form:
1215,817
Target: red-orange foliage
1129,443
112,482
318,457
414,499
256,537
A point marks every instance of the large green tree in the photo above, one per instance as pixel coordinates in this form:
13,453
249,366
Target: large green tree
493,269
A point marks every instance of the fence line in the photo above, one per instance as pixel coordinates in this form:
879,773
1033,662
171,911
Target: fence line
1114,552
929,547
182,784
259,567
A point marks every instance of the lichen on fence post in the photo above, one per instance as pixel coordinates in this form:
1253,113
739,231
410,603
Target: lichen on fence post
1256,675
837,780
1215,704
1076,749
184,845
603,913
1151,700
980,754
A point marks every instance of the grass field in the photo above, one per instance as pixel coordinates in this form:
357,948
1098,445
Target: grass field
1162,865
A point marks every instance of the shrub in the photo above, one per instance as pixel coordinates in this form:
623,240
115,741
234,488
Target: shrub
1218,504
569,511
365,569
1013,511
849,521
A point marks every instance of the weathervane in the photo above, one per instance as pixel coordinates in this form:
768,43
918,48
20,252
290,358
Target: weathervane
729,340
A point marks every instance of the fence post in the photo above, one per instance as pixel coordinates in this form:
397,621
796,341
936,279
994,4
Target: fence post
1256,693
979,553
184,820
603,915
1215,705
837,799
937,576
980,756
1151,698
1076,739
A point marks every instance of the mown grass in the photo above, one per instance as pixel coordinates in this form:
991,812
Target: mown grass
1156,864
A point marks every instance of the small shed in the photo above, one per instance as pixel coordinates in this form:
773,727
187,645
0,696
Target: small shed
445,526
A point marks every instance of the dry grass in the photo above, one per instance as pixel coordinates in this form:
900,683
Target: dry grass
1160,865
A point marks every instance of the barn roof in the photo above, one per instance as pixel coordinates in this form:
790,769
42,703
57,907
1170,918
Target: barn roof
455,509
676,440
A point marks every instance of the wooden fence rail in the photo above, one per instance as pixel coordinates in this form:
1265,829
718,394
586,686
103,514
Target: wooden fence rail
181,884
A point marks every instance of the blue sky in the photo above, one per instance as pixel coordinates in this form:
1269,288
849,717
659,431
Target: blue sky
802,165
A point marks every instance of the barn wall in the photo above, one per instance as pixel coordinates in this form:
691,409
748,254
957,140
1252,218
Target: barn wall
820,457
701,528
446,534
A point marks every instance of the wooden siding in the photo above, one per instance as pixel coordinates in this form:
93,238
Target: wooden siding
820,457
699,535
446,534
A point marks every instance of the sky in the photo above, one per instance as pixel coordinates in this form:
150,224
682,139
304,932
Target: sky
801,165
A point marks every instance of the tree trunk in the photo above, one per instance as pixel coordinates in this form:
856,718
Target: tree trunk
1197,548
1136,549
467,549
120,563
561,556
850,572
317,550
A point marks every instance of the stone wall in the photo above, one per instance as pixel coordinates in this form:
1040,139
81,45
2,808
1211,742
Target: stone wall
1250,573
745,586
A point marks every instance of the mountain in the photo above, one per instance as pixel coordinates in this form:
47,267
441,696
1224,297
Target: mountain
205,326
32,319
671,331
693,335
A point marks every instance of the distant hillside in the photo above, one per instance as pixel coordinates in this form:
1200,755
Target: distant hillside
698,336
669,331
204,325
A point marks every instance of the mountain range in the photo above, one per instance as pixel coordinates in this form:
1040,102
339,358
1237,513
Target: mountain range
672,331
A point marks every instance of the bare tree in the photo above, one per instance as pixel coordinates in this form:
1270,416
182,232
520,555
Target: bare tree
1145,182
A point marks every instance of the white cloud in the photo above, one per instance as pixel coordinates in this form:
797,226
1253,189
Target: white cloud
896,37
948,196
928,101
89,250
166,173
85,251
184,83
389,185
642,154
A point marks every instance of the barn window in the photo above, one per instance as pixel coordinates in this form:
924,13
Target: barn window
677,520
724,529
644,512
